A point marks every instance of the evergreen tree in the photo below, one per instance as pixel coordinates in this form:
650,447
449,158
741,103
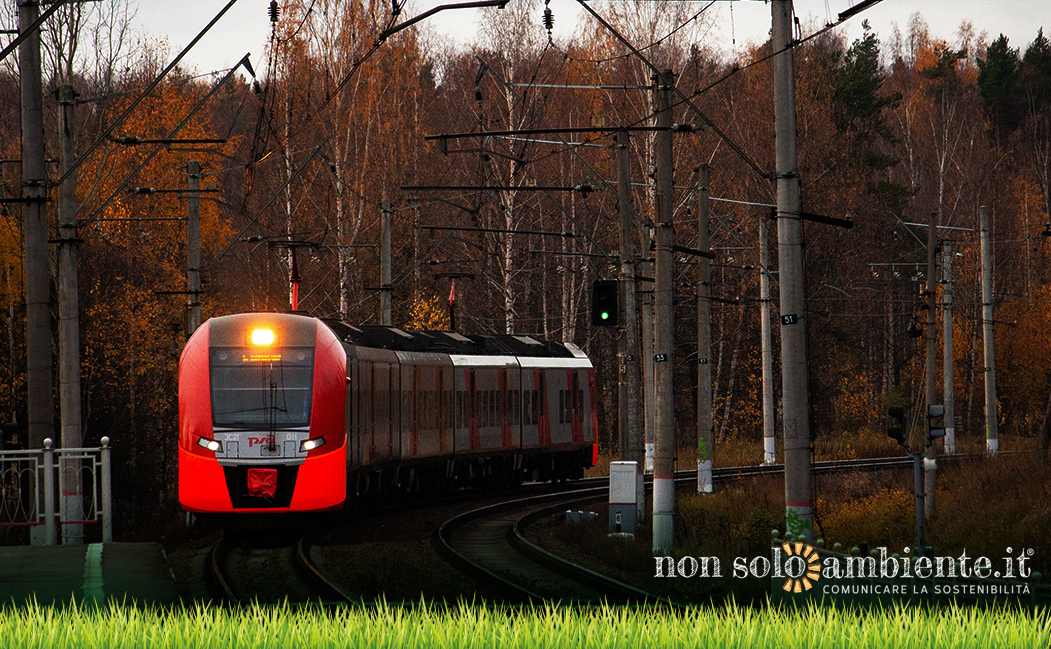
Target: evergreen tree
997,79
1036,72
858,104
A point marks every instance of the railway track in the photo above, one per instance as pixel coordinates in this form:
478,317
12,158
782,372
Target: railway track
237,572
479,542
489,543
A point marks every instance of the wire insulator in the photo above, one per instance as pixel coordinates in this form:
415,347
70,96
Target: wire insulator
274,11
549,19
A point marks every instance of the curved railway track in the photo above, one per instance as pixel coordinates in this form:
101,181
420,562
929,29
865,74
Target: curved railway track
487,543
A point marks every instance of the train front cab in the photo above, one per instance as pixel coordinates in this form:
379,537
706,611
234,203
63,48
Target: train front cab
261,419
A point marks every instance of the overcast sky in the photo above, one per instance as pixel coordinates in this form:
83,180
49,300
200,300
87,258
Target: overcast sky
246,28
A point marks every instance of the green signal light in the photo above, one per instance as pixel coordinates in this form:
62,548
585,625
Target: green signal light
604,315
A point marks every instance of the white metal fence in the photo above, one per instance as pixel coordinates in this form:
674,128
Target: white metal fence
59,489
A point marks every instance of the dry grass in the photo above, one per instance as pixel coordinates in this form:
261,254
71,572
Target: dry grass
984,506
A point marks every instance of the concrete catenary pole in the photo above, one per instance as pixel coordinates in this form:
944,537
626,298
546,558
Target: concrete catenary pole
629,402
631,435
71,506
385,301
799,509
705,447
767,342
193,247
947,358
992,437
663,341
40,408
930,468
648,384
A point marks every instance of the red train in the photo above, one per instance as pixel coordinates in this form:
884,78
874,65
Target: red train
289,413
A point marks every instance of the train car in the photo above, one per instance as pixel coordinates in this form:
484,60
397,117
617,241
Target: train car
289,413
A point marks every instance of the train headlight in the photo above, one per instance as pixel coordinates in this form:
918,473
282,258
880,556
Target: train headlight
311,444
262,336
210,444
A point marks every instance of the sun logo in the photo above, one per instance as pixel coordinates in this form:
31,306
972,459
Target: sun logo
803,567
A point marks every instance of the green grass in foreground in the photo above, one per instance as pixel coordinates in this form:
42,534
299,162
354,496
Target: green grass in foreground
552,626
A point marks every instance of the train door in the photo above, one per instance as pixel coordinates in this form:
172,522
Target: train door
462,426
428,442
367,434
559,411
590,416
514,407
381,411
543,416
578,380
448,422
353,426
417,409
529,415
488,406
407,423
394,410
472,410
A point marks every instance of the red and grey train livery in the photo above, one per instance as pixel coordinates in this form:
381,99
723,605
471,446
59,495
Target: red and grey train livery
289,413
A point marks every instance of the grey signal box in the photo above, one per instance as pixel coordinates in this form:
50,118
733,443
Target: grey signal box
625,482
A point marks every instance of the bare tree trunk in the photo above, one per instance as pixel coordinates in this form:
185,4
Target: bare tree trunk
975,317
725,424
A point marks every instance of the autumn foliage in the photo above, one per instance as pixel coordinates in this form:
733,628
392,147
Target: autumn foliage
892,127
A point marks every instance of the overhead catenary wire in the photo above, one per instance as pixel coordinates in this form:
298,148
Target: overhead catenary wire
153,84
153,154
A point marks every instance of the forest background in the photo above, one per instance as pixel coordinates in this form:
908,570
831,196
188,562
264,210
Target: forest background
892,127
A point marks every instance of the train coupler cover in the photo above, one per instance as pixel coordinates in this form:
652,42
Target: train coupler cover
262,483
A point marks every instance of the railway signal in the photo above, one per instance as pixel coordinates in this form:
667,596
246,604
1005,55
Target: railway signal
604,303
935,429
897,424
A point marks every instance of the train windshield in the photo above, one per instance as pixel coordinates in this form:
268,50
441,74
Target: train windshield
267,391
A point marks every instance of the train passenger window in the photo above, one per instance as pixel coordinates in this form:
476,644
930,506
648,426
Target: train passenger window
534,406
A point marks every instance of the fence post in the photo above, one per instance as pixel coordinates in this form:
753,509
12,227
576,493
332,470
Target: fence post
107,494
50,537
